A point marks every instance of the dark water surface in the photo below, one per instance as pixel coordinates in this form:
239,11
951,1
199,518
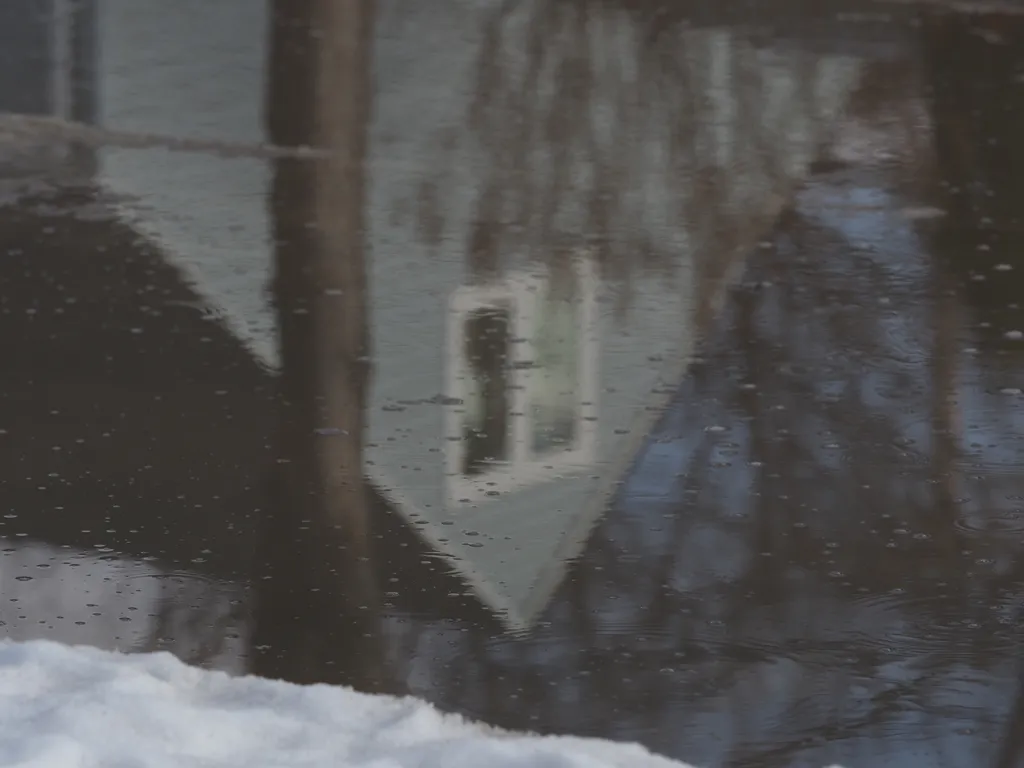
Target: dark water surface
614,369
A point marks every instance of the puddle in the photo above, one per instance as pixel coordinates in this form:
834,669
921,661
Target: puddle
657,378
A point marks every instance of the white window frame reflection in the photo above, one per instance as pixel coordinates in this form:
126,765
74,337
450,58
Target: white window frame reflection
521,295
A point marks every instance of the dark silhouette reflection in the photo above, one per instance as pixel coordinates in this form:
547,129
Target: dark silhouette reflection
977,64
318,605
132,452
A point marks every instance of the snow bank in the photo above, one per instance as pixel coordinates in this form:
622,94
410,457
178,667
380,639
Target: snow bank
73,706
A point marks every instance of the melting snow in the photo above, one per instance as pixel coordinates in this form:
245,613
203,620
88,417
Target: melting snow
73,706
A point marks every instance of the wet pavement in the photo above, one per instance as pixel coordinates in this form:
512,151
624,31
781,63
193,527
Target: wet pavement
604,368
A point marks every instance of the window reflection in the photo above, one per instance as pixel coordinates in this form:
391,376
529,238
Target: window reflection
522,369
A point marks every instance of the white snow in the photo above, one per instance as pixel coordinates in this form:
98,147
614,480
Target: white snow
77,707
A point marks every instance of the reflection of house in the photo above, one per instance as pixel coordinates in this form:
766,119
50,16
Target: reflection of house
96,598
47,67
196,68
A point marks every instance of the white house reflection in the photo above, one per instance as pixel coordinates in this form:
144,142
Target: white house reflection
102,598
506,402
522,358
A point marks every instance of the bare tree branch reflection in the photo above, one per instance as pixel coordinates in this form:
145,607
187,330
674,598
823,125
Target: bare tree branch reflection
590,131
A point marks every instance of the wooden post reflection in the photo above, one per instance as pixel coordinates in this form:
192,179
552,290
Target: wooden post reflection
317,602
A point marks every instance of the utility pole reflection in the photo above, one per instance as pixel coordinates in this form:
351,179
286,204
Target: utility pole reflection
317,614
